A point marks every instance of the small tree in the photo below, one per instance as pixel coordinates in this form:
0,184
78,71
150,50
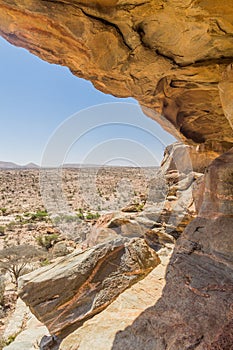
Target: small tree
15,259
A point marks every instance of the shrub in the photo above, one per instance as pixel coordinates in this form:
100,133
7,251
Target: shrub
11,226
39,215
91,216
4,211
63,218
80,214
140,207
2,230
28,218
10,339
15,259
47,241
45,262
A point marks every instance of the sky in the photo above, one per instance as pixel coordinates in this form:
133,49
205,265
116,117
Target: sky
40,101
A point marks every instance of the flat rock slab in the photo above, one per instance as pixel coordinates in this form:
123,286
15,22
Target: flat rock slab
65,294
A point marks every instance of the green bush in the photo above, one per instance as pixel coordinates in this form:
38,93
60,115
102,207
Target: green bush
10,339
80,214
3,210
140,207
2,230
45,262
39,215
91,216
47,241
28,218
11,226
63,218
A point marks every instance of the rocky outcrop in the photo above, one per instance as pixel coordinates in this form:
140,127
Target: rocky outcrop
186,159
168,206
25,328
99,332
65,294
169,55
195,310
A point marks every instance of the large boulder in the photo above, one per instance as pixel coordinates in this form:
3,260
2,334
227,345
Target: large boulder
99,332
65,294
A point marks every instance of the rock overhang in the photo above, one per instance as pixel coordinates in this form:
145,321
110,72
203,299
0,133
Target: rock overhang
169,55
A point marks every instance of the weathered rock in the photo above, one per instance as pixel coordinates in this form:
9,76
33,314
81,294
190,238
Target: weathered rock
112,225
17,321
169,55
99,332
49,343
158,239
99,235
195,310
170,205
186,159
60,249
218,191
27,329
133,208
75,288
126,227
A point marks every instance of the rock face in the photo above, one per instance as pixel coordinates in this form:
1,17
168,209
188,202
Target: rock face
186,159
99,332
169,55
195,310
65,294
25,327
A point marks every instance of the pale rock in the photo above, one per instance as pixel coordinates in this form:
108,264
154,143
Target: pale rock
65,294
99,332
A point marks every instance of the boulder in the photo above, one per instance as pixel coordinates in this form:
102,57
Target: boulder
99,332
73,289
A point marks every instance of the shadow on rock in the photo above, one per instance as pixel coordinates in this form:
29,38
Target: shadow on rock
196,308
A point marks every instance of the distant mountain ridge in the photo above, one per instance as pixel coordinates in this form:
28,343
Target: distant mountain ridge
11,165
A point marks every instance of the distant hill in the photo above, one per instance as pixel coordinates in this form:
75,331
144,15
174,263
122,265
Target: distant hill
8,165
30,166
11,165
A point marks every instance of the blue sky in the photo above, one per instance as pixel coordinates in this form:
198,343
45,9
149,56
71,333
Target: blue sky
36,97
